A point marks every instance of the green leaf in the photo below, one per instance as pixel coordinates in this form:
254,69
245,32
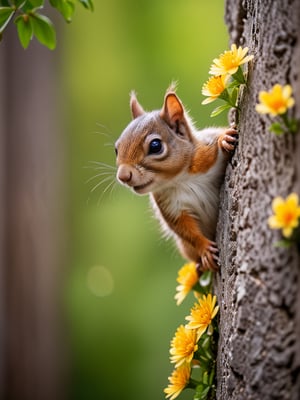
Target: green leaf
204,283
212,376
24,29
225,95
239,76
234,84
276,128
220,109
66,8
205,342
205,378
294,125
6,14
43,30
31,6
19,3
206,279
201,392
87,4
283,243
4,3
36,3
234,95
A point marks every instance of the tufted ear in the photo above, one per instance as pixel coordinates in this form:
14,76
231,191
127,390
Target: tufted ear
172,111
136,108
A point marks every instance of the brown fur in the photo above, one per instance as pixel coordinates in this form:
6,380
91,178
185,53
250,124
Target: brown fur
204,158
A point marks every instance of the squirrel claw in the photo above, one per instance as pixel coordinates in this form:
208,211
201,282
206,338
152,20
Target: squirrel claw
210,258
213,248
215,257
228,139
228,143
207,265
231,131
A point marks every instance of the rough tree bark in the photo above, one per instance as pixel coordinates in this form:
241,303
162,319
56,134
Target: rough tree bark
258,286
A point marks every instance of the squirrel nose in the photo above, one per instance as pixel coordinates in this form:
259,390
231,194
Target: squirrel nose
124,174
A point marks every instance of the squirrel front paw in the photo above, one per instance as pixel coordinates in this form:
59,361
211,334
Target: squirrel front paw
227,139
209,258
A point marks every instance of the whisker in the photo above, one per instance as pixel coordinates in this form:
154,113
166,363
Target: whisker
108,186
107,175
101,164
108,131
111,171
101,174
111,186
101,133
100,183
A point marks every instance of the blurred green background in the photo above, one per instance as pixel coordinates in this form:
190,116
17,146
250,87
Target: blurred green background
120,287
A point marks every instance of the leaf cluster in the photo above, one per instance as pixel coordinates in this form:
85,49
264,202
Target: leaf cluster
206,354
30,22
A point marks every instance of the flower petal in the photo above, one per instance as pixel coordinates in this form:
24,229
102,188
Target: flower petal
273,222
262,109
292,200
277,203
287,91
287,232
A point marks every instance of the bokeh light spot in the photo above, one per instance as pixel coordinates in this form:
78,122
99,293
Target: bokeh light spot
100,281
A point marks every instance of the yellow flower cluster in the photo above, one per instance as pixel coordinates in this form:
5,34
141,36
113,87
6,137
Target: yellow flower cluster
276,101
214,87
286,214
227,65
184,344
178,381
187,279
202,314
229,61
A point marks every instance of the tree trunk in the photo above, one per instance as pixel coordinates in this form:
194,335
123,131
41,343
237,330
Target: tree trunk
31,223
258,286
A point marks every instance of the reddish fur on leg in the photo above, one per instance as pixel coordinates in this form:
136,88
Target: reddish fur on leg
193,244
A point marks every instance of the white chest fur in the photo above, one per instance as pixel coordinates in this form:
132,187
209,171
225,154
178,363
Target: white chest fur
196,194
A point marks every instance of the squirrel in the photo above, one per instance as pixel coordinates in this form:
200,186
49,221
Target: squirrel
161,153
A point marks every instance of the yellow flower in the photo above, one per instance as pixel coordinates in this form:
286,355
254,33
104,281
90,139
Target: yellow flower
178,381
187,279
276,101
229,61
214,87
286,214
202,314
183,346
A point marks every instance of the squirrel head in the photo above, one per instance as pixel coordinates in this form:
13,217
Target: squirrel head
155,147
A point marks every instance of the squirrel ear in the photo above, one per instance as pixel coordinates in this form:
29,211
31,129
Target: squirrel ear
136,108
172,110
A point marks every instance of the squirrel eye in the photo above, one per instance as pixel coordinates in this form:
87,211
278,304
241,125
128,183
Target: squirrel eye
116,151
155,146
